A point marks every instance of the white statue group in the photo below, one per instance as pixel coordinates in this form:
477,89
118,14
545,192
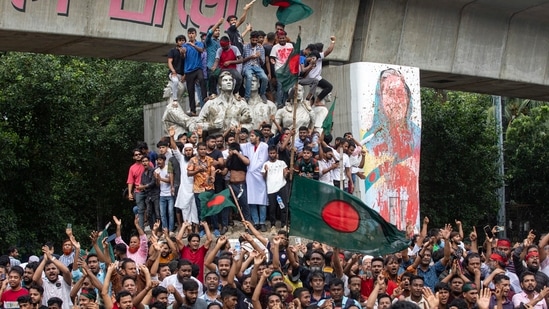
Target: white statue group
227,110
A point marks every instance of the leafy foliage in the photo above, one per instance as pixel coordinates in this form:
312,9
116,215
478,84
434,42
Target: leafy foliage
458,174
527,161
67,128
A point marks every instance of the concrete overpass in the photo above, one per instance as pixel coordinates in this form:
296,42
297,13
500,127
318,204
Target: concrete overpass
487,46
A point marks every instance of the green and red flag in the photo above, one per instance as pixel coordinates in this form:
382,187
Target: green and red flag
212,204
289,72
329,120
290,11
327,214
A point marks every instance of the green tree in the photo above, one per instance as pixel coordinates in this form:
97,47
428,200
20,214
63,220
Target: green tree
67,128
527,164
458,173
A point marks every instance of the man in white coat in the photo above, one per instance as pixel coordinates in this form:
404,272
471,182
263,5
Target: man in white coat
258,153
185,196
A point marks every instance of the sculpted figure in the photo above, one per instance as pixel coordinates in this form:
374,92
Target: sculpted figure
305,116
224,111
260,110
321,111
181,88
176,117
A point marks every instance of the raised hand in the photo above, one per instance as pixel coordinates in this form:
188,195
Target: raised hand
266,273
446,231
156,225
259,258
249,5
431,298
117,221
94,236
483,300
473,235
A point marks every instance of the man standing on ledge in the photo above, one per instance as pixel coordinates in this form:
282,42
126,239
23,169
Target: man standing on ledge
193,69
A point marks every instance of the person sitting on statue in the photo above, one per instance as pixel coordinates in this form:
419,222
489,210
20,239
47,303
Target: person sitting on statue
316,71
254,58
224,111
227,58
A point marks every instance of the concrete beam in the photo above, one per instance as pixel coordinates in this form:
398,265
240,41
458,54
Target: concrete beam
487,46
145,29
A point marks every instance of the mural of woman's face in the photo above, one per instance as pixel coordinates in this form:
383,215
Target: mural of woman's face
394,97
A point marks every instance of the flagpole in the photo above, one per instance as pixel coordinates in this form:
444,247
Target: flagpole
292,151
294,121
237,205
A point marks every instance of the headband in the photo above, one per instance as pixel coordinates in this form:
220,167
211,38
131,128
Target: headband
89,294
531,254
468,287
503,243
274,274
498,257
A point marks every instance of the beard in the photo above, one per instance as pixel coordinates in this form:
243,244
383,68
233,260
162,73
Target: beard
187,159
355,295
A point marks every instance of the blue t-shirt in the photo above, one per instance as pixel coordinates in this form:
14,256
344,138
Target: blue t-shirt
211,47
193,59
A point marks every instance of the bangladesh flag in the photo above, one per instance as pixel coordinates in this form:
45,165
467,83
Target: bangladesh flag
342,220
212,204
289,72
290,11
104,234
329,120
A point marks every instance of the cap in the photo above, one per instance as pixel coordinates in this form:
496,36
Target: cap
468,287
33,258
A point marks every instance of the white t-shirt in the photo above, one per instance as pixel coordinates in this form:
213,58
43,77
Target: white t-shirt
326,177
275,175
59,288
281,53
172,280
317,70
165,187
355,161
343,163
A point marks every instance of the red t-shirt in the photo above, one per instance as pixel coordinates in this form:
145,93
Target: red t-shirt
368,286
9,297
227,55
195,258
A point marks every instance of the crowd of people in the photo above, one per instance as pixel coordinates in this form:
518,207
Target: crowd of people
178,258
440,269
199,61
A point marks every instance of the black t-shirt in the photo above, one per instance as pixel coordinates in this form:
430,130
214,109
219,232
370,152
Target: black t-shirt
219,183
235,164
268,48
178,61
235,38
